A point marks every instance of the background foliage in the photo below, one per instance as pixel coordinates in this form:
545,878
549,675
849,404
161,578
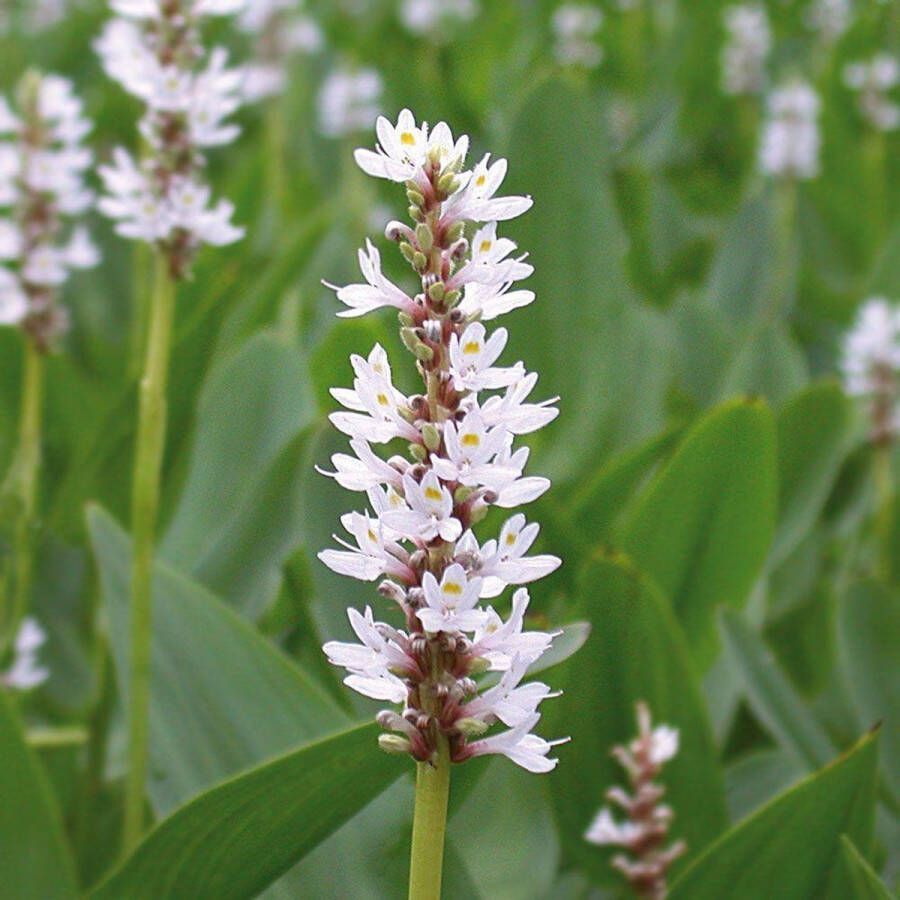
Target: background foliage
713,498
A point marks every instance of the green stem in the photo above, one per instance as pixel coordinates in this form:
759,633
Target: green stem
276,140
28,464
786,215
144,509
429,826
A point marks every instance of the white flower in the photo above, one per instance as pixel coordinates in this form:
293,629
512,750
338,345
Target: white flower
366,470
348,101
509,701
606,831
430,512
791,141
504,562
469,449
749,41
476,201
26,672
373,556
872,349
432,17
13,300
830,18
472,359
525,749
576,27
501,642
376,293
873,81
451,603
515,415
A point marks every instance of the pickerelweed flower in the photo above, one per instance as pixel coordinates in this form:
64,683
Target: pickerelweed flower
645,830
153,49
280,30
576,27
791,141
747,47
432,18
349,101
42,192
873,81
871,365
829,18
460,432
26,672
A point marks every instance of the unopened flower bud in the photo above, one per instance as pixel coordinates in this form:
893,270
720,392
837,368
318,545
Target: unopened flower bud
470,727
479,665
418,452
416,214
462,494
393,743
456,231
390,590
415,197
448,183
419,261
451,298
424,237
407,250
431,436
437,291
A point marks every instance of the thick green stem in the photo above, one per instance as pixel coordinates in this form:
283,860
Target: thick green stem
144,508
884,499
429,826
28,463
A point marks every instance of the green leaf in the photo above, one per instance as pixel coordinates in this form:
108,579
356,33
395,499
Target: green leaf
224,699
772,697
757,777
592,344
868,643
814,434
34,860
234,840
790,848
866,883
249,410
636,651
703,527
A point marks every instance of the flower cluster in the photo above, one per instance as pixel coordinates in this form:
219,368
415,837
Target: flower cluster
749,41
280,30
349,101
153,49
42,165
829,18
576,27
871,365
26,672
645,831
791,140
430,18
418,534
36,16
873,81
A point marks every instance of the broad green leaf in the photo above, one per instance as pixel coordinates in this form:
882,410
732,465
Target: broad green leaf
869,647
224,699
592,344
703,526
237,838
814,434
757,777
250,408
866,883
636,651
773,699
34,860
790,849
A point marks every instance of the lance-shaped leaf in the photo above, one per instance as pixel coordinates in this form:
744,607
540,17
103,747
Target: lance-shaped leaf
864,879
636,651
234,840
703,528
790,848
34,860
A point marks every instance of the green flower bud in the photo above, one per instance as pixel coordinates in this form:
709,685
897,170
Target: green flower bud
424,237
393,743
431,436
471,727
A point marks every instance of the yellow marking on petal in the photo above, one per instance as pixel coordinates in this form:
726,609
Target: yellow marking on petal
485,246
511,538
372,535
452,587
470,440
383,400
480,180
408,138
432,493
471,347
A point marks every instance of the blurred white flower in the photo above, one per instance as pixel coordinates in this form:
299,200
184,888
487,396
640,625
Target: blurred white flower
26,672
873,81
433,17
349,101
829,18
791,141
576,27
748,43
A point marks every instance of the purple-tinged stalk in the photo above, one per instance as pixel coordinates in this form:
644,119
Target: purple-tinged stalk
459,432
154,49
42,191
644,832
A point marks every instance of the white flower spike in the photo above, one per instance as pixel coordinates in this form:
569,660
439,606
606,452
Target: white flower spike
460,435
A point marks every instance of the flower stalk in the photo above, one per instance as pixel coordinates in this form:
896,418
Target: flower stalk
430,825
144,511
